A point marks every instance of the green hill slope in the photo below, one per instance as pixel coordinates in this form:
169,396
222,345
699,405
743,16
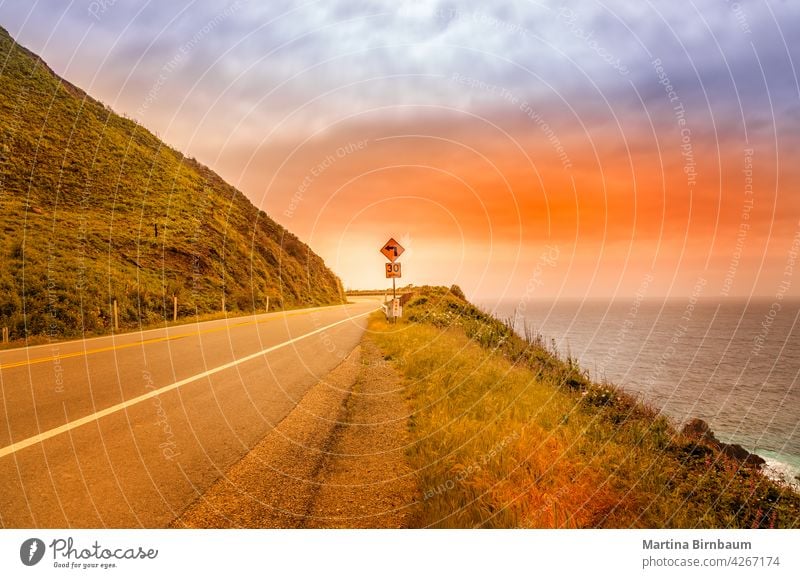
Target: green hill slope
94,208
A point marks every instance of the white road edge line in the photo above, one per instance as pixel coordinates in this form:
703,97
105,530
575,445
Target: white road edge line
15,447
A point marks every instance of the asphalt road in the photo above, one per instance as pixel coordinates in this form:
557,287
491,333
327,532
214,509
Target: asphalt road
126,431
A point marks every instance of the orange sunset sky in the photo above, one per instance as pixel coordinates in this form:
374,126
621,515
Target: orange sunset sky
526,149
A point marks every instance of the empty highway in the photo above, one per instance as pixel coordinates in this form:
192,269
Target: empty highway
126,431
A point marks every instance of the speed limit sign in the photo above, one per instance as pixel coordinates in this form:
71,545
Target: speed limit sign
393,271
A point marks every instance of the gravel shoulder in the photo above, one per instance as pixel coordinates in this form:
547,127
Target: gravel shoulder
336,461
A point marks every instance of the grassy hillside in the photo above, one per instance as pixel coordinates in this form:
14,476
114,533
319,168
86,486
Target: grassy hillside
507,434
82,191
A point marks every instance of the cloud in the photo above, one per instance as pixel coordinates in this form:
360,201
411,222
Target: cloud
556,95
342,57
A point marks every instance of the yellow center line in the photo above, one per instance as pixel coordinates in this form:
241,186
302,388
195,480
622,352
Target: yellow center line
61,356
25,362
42,436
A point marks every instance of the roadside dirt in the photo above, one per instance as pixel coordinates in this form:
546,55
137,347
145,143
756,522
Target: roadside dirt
336,461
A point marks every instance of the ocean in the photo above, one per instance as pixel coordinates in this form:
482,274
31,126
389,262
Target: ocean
735,364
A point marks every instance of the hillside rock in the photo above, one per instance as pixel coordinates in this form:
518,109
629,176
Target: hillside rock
697,429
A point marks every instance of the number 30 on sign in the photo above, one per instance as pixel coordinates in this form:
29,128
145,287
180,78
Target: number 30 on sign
393,271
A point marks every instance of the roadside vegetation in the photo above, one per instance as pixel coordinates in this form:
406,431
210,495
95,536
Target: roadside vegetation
508,434
95,209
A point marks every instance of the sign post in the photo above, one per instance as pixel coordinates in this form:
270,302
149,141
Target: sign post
392,250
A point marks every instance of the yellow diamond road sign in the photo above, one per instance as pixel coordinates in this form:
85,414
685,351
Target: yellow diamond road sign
392,250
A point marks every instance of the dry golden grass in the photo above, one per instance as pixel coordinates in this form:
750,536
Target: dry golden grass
499,443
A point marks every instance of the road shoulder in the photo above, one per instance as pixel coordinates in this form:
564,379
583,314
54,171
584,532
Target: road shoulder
337,460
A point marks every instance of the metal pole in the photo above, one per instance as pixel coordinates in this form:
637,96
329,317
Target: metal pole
394,298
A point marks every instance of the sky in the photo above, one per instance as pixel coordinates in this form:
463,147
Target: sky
519,149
